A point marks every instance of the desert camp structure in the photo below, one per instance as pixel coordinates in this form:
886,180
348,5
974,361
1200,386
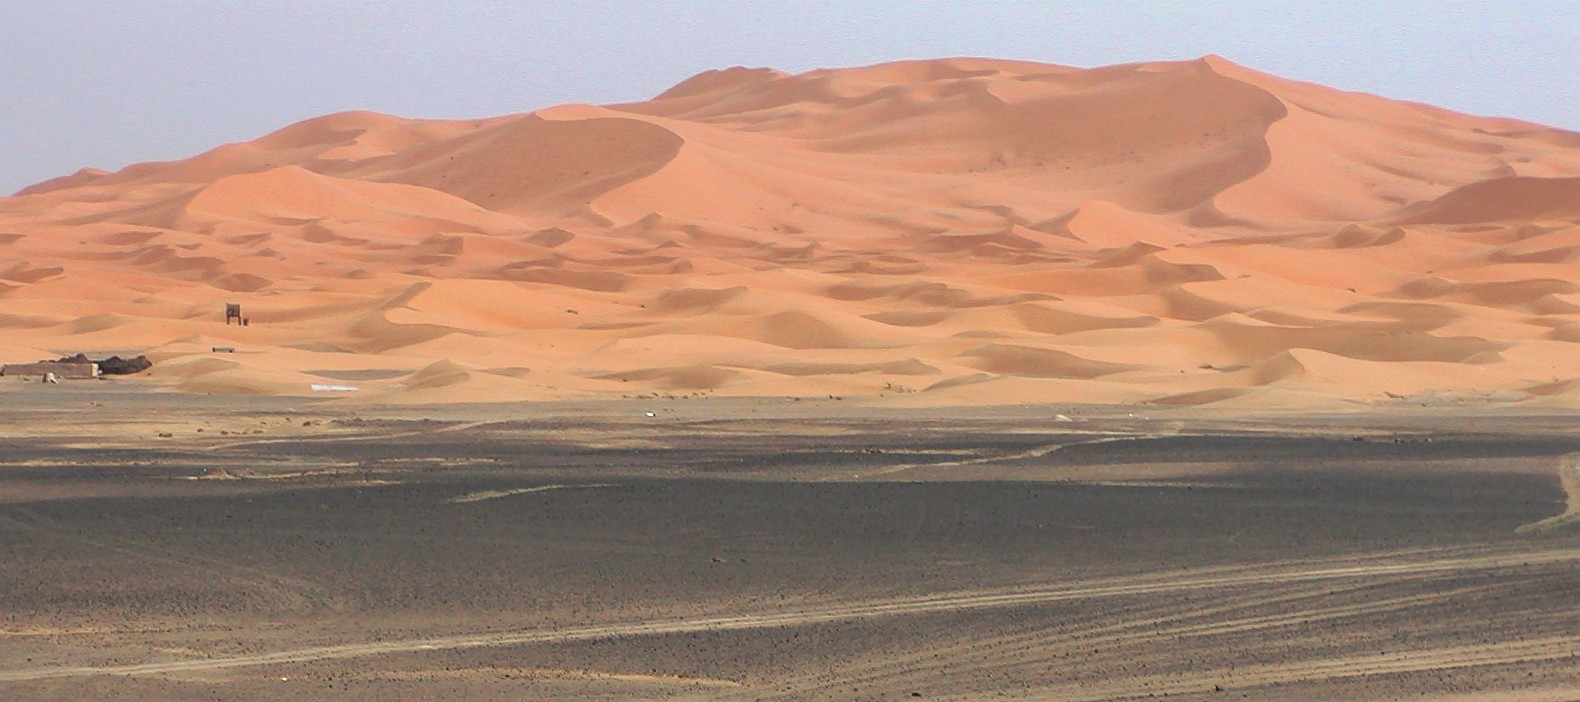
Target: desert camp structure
78,366
64,370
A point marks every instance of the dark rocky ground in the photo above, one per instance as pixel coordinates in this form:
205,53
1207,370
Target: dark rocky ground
869,556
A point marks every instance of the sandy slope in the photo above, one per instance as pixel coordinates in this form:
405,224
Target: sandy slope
937,232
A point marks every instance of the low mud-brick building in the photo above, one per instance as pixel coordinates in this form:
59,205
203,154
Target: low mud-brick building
63,370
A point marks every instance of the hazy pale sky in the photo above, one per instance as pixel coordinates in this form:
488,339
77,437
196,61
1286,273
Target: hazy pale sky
106,84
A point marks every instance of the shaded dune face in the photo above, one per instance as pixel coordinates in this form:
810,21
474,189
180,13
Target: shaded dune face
532,164
1514,199
952,231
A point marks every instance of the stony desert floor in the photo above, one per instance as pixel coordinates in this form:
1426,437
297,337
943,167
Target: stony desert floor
172,547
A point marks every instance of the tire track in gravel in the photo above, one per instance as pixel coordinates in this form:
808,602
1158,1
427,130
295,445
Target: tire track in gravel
961,601
1569,480
1037,452
1551,648
350,437
1044,644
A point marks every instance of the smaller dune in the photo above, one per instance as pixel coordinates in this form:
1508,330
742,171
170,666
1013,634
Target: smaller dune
1046,319
1259,341
212,376
910,318
1107,224
550,238
1557,388
14,321
130,237
241,383
191,367
1182,304
1557,254
854,291
1199,397
599,281
887,265
1504,294
291,194
374,333
697,377
1128,255
163,258
961,381
1161,272
241,282
439,374
316,233
1405,316
803,330
694,300
529,162
819,328
1568,332
1352,236
927,293
1500,200
977,243
910,366
26,273
1010,359
1280,367
95,323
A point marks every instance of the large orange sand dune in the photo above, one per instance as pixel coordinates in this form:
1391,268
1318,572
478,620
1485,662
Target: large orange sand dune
934,232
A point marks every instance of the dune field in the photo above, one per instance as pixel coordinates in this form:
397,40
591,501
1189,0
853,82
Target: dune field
945,232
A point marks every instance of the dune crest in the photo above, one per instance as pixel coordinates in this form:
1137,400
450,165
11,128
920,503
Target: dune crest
942,231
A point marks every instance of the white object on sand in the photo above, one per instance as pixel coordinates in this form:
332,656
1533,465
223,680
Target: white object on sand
320,387
51,379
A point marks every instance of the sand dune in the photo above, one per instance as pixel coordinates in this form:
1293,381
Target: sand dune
1514,199
1008,359
924,232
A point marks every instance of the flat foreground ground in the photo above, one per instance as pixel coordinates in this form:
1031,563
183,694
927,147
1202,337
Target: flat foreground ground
175,549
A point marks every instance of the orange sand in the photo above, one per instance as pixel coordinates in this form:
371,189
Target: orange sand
933,232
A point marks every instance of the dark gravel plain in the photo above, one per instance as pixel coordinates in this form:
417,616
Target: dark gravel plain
876,556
